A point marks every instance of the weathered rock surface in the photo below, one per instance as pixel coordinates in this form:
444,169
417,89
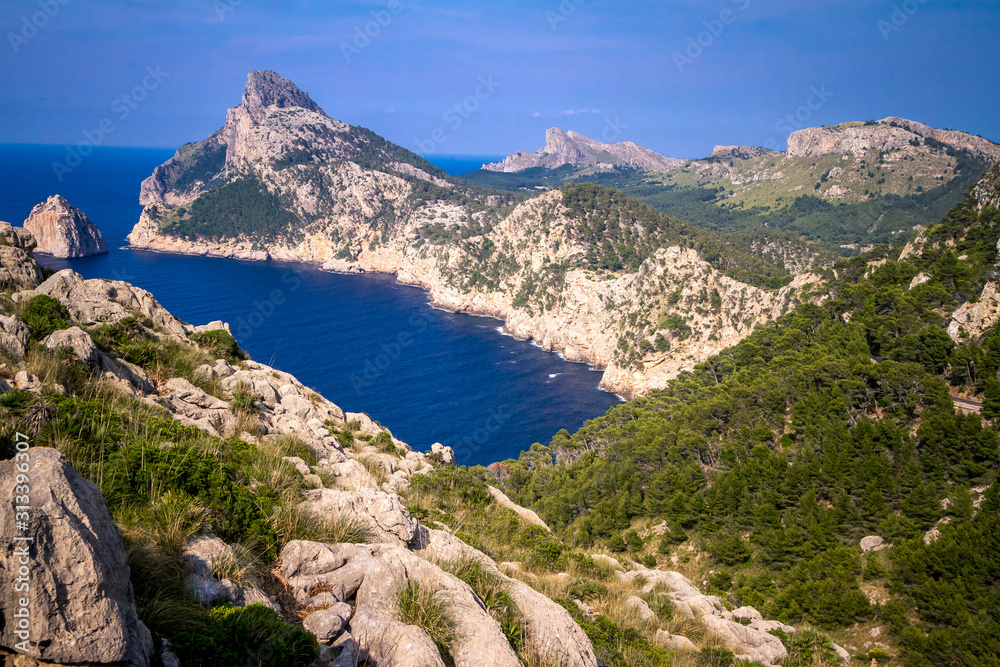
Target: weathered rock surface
62,230
16,265
382,514
872,543
13,336
203,554
80,597
528,516
740,152
671,642
83,346
98,301
375,575
889,134
640,607
972,320
751,640
575,149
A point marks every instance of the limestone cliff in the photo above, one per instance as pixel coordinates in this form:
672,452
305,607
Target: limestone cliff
346,199
62,230
886,135
571,148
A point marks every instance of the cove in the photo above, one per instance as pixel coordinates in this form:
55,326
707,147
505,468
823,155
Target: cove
363,341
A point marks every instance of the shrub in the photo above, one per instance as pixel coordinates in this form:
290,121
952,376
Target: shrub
43,315
729,550
252,635
220,343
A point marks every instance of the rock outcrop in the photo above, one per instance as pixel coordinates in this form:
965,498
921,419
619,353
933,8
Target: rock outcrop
740,152
62,230
570,148
335,181
79,598
889,134
17,267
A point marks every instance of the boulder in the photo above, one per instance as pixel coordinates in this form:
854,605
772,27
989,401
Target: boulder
671,642
326,624
743,640
202,554
443,455
18,268
382,514
639,606
872,543
86,351
13,336
528,516
62,230
193,407
16,237
80,597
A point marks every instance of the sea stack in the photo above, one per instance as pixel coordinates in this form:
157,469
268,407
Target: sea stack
62,230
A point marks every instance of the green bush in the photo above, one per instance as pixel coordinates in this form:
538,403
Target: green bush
220,343
43,315
254,635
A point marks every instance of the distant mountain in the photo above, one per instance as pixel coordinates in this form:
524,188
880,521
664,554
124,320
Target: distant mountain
570,148
844,186
582,270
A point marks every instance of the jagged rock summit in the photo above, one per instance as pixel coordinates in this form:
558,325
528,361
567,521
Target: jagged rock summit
62,230
580,151
267,88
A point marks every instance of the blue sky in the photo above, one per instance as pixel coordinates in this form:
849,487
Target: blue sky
675,76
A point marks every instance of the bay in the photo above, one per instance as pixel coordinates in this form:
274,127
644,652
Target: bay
365,342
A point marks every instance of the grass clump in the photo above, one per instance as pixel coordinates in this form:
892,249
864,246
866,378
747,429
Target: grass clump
419,607
492,592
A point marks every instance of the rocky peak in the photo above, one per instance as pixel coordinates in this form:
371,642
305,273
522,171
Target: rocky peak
266,88
62,230
886,135
575,149
740,152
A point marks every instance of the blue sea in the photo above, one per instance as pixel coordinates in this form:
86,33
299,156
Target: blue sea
365,342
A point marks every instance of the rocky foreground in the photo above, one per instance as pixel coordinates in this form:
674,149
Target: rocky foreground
344,594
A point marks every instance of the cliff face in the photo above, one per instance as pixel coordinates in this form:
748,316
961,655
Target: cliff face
360,203
575,149
62,230
886,135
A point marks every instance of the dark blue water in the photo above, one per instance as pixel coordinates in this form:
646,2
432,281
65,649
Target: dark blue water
364,342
